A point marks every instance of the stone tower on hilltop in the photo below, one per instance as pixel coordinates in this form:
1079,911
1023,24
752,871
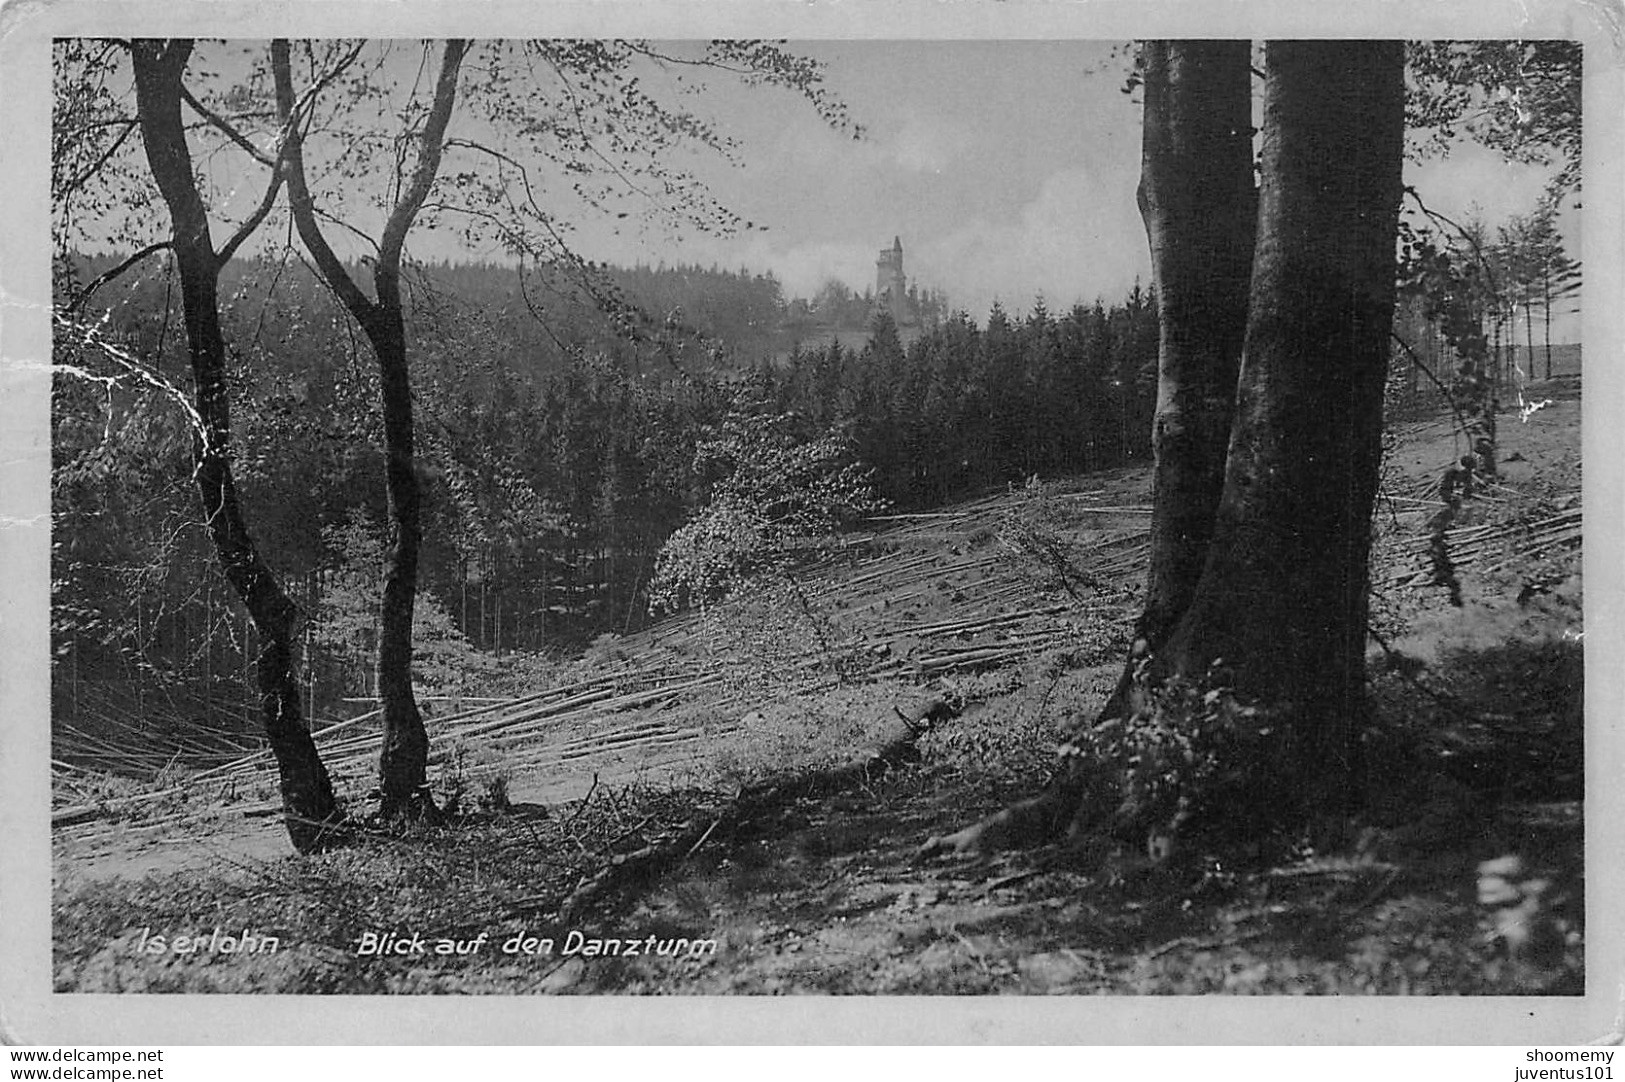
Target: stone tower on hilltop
891,287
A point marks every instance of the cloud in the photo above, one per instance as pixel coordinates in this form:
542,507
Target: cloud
928,144
914,144
802,268
1075,240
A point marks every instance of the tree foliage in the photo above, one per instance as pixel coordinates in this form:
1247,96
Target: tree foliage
1470,285
356,141
1522,98
345,626
775,501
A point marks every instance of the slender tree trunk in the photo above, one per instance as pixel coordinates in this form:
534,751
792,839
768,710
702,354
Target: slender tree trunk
248,673
1197,199
403,763
1283,596
313,605
1529,331
307,792
1498,351
208,642
1546,312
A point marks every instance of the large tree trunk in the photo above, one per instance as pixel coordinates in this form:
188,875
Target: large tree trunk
1197,199
1283,596
307,792
403,762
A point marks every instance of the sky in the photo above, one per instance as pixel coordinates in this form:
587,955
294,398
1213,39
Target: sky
1006,168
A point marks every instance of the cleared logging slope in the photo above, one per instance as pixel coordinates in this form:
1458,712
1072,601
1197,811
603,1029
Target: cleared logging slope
986,584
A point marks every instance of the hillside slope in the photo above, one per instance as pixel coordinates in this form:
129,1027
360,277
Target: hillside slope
1015,609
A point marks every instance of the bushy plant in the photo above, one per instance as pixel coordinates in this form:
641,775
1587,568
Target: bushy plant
777,503
1193,759
776,500
778,638
346,627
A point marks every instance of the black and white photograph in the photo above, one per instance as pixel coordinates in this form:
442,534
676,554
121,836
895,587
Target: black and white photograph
642,510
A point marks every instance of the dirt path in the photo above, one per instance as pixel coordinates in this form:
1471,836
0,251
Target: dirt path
170,845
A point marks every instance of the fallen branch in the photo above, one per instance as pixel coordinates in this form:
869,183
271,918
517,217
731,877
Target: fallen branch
894,747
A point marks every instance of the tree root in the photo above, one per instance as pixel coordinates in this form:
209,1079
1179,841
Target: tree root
417,807
1038,820
312,836
1081,801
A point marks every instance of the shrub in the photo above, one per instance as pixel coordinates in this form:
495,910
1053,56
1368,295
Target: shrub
1193,760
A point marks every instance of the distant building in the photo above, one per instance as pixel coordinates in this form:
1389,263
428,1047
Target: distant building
891,286
838,314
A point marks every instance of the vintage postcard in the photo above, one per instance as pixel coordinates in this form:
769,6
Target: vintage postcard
581,529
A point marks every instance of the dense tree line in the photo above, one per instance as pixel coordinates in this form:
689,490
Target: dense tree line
740,313
552,471
965,407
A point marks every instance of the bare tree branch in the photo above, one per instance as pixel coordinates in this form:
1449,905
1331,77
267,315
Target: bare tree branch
1479,254
220,124
428,165
113,272
1461,422
89,338
299,196
79,181
252,222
